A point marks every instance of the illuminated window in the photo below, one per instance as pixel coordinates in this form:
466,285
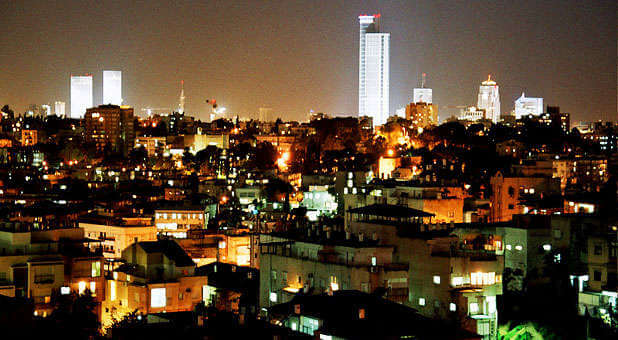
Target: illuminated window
157,297
457,281
436,279
491,304
273,297
480,278
452,307
518,247
65,290
47,299
81,287
115,276
374,261
112,290
421,301
474,308
509,247
93,287
334,285
547,247
96,269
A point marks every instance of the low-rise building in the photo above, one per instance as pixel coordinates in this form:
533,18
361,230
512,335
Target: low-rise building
44,264
156,277
115,234
356,315
176,220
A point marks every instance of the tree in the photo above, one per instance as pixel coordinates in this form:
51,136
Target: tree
265,156
76,316
6,109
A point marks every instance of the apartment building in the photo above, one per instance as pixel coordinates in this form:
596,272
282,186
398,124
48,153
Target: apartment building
157,277
117,233
454,270
44,264
176,220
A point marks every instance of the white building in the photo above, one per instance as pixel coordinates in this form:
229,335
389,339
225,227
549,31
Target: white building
46,110
422,95
265,113
112,87
81,95
489,99
373,72
472,113
528,106
59,109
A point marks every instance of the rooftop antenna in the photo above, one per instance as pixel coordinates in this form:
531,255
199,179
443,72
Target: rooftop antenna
423,80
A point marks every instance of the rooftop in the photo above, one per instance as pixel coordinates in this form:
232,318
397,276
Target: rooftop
341,316
390,210
170,249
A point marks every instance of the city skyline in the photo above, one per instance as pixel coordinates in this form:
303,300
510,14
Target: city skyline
528,51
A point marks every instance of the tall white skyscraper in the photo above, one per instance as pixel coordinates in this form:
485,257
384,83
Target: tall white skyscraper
81,95
528,106
59,108
112,87
489,99
264,113
373,70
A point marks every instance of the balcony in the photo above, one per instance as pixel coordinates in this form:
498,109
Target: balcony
44,278
473,254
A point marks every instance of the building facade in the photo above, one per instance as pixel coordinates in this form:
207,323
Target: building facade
528,106
110,125
112,87
81,95
422,95
373,74
489,99
60,109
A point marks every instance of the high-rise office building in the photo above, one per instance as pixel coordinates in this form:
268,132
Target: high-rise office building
81,95
373,71
59,108
528,106
489,99
110,125
265,113
112,87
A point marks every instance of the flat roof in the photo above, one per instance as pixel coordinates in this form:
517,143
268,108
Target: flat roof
390,210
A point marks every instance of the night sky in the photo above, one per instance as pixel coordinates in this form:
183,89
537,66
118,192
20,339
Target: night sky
295,56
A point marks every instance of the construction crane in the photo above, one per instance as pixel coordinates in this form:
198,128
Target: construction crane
212,102
216,110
